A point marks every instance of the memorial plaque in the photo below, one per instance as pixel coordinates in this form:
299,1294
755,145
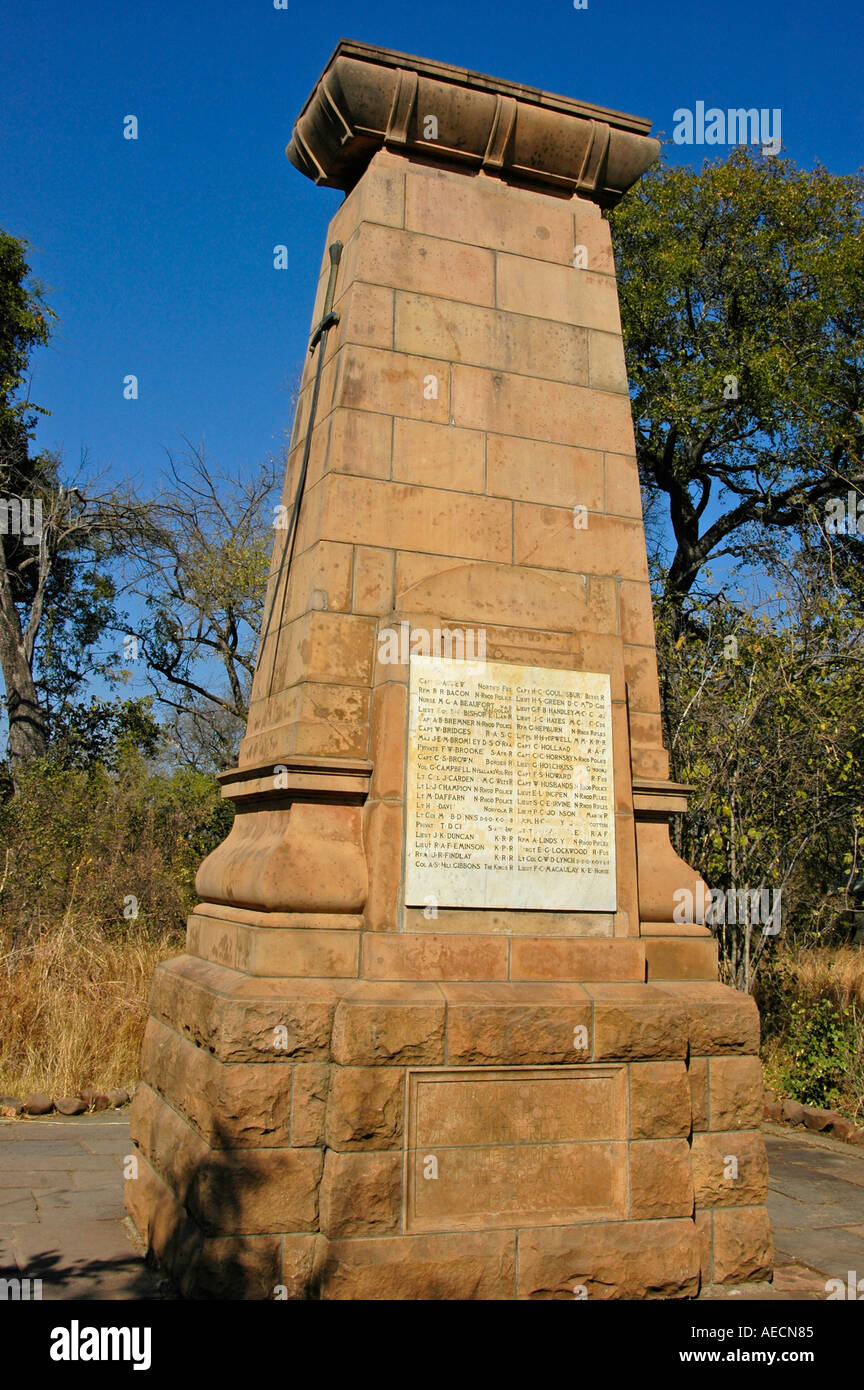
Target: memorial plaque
510,796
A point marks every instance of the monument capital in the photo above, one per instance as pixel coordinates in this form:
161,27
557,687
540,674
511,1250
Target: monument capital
368,98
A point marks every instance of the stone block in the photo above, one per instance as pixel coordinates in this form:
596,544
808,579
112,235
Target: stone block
554,474
614,1260
559,292
230,1106
721,1020
682,958
256,1192
547,537
637,1023
551,411
743,1246
481,210
389,736
518,1025
607,369
492,338
407,260
438,456
551,958
406,1029
697,1074
392,383
383,842
735,1089
373,580
729,1169
436,1268
310,1088
368,511
661,1184
623,496
360,442
361,1194
365,1108
195,998
659,1100
423,956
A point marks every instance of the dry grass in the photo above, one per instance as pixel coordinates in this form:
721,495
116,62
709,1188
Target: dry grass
836,974
75,960
73,1005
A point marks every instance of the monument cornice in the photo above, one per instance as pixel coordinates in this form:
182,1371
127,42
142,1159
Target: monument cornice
371,98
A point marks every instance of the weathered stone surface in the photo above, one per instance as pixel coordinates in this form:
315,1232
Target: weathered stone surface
194,997
391,1031
96,1100
626,1259
721,1020
661,1184
310,1088
729,1169
793,1112
539,958
435,1268
37,1104
659,1100
684,959
735,1087
743,1247
256,1191
697,1074
705,1231
484,1033
300,1254
819,1120
365,1110
403,956
243,1104
361,1194
637,1022
70,1105
247,1267
247,1191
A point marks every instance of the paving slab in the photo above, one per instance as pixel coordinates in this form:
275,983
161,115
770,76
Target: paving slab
61,1209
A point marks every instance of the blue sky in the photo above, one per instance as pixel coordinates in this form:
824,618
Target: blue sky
158,253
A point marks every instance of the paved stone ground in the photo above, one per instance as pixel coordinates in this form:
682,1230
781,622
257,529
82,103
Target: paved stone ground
61,1208
61,1211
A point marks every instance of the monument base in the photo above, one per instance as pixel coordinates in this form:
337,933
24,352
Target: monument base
447,1139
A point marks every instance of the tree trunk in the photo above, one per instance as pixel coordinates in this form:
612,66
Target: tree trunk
28,736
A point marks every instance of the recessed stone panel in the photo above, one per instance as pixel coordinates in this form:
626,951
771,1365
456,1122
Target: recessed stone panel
515,1146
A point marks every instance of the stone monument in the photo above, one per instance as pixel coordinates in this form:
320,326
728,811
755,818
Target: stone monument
437,1033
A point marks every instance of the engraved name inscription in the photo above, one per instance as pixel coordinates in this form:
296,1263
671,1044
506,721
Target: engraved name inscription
510,788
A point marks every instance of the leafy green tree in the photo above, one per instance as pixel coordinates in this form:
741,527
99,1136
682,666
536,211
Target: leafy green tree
59,540
742,303
764,712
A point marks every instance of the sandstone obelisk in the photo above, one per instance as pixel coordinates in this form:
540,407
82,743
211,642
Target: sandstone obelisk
436,1033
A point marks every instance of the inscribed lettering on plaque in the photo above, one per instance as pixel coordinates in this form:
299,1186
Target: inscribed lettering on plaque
510,799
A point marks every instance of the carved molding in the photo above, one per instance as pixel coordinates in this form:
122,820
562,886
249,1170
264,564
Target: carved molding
369,97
